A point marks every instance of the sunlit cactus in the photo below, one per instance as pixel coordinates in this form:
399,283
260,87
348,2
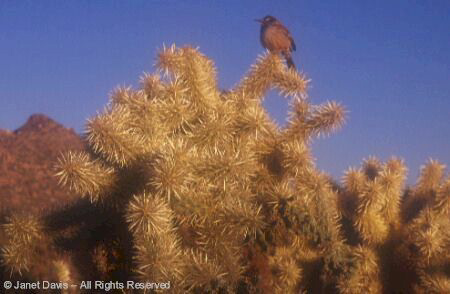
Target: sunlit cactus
442,202
24,234
85,176
430,177
188,184
148,215
435,284
407,231
287,274
363,276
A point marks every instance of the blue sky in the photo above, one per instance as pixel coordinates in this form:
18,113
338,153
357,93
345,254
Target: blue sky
387,62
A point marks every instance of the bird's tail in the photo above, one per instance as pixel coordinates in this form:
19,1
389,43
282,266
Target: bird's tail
289,61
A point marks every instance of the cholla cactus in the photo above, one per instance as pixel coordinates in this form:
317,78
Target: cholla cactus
200,187
408,232
24,234
215,171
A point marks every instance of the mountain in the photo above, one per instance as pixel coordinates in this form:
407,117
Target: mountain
27,159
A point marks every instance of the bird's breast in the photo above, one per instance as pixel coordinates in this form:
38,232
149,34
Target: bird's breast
275,39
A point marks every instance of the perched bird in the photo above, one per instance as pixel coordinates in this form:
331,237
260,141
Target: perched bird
276,37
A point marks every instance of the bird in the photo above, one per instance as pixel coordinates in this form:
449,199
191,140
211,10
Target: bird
277,38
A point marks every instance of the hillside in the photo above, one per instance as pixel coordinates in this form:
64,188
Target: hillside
27,159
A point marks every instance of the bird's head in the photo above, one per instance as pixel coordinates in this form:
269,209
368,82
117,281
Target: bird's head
267,20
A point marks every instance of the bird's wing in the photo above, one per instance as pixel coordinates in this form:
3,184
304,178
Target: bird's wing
288,34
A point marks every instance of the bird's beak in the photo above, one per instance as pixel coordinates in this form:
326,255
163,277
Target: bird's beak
259,20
